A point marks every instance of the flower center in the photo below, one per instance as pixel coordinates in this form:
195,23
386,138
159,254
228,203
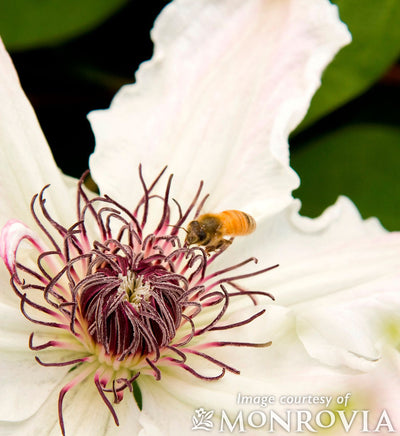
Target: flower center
133,286
132,304
127,297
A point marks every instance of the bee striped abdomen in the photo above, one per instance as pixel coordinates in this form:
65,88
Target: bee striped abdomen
236,223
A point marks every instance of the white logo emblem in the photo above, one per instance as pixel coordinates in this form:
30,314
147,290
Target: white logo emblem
202,419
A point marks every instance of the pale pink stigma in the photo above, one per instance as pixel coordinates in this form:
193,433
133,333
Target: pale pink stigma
122,293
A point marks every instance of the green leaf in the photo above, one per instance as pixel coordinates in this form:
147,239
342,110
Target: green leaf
375,27
360,161
137,394
27,24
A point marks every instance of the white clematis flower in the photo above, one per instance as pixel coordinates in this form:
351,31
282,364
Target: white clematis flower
118,302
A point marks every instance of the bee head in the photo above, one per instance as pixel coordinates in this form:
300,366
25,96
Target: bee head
195,233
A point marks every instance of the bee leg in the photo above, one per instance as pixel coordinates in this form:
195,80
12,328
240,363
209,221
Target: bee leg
221,245
209,249
225,243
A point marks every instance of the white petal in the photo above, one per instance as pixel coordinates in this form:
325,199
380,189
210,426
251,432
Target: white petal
12,234
20,374
228,81
352,330
335,273
84,414
26,163
14,328
379,389
71,184
7,296
168,406
25,385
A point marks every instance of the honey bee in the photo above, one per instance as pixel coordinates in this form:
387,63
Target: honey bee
209,229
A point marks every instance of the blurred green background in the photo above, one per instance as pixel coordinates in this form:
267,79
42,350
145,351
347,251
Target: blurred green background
72,56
